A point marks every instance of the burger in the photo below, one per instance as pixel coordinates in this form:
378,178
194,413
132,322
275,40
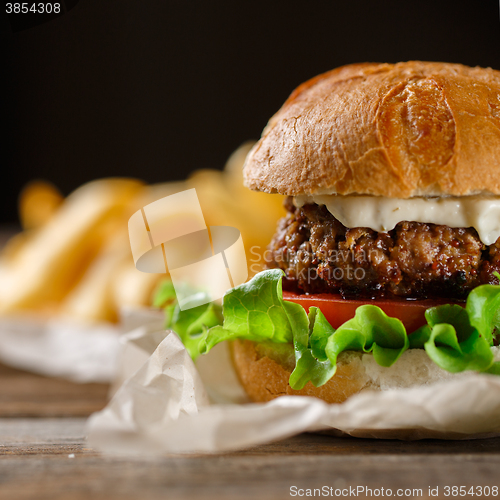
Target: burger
384,273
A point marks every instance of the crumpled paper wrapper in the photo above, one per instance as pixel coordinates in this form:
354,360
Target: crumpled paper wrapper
166,404
60,347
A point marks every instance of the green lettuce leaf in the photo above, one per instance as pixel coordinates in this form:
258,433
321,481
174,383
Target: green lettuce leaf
419,337
310,335
193,324
455,338
447,352
483,308
190,324
460,338
253,311
371,330
494,369
256,311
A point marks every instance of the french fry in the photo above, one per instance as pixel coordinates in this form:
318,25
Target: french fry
38,202
130,287
226,201
74,256
46,269
235,162
111,280
93,296
14,245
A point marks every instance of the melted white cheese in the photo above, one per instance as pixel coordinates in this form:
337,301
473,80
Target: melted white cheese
382,214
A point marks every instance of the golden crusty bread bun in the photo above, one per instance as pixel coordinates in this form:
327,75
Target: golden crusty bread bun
264,370
394,130
264,374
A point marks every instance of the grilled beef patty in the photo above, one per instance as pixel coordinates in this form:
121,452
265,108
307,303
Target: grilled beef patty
414,260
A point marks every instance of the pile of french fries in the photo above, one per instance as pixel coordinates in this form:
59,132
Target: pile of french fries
73,255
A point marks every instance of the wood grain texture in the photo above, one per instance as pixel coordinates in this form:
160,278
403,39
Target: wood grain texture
40,449
48,458
24,394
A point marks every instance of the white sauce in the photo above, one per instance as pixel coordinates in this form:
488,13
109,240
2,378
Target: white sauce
382,214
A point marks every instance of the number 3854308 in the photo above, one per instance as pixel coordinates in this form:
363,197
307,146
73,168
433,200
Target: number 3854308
33,7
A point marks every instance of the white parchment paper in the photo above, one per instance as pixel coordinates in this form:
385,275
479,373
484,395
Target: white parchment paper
164,404
60,347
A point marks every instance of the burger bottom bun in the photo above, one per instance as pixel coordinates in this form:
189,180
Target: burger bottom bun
264,370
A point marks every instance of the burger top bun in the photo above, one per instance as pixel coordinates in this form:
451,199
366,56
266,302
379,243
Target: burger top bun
394,130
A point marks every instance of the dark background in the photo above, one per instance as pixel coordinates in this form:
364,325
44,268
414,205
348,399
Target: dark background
156,88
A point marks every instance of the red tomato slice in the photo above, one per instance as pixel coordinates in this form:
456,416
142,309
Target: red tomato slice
338,310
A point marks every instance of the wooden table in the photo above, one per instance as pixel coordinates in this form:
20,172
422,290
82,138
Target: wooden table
43,455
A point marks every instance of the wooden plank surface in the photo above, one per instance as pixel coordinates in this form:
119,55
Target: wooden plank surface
24,394
48,458
43,455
